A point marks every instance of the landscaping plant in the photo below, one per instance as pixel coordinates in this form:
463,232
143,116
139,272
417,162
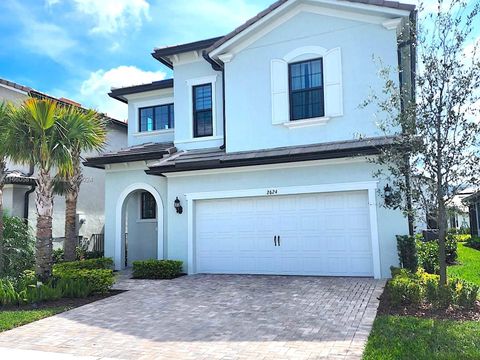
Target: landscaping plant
19,247
157,269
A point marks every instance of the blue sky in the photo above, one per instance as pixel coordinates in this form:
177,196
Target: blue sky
79,49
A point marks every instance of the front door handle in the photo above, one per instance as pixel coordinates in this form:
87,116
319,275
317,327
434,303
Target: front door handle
278,240
275,240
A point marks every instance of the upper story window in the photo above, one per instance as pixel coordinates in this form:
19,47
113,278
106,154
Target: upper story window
148,206
306,89
202,110
156,118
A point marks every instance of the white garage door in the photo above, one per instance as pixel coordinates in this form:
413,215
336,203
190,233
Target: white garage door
317,234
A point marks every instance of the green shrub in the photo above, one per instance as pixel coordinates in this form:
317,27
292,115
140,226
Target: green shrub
98,280
101,263
407,288
58,255
157,269
404,289
428,256
461,237
19,247
474,242
73,287
407,252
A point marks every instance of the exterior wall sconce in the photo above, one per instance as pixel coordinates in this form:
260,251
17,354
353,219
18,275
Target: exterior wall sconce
388,195
177,206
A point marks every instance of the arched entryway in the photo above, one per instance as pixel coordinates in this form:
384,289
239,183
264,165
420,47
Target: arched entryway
138,225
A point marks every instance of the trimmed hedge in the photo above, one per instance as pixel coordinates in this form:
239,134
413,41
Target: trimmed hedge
90,264
157,269
99,281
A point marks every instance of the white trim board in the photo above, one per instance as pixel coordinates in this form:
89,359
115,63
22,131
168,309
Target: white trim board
291,165
370,186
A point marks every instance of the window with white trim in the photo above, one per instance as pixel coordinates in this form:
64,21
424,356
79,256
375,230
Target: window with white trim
155,118
306,89
306,86
202,110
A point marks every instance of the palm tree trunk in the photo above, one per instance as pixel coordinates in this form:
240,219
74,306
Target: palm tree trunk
70,225
44,204
2,244
71,196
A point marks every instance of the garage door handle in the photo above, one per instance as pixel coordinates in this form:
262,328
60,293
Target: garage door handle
275,240
278,240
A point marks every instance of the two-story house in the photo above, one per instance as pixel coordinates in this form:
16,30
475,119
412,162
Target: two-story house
249,161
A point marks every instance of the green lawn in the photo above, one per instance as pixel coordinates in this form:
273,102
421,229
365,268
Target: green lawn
11,319
405,337
469,268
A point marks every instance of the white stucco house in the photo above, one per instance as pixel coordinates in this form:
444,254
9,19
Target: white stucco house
249,161
19,196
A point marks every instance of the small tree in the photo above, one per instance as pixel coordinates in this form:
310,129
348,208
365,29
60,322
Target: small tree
439,132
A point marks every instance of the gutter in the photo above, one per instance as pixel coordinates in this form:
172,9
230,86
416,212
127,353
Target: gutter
217,67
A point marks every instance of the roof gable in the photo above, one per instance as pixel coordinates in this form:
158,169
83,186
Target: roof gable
364,10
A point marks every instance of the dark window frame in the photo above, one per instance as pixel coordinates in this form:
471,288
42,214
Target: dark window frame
171,117
195,111
143,203
291,91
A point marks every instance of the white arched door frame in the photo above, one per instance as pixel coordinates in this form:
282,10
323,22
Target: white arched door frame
119,220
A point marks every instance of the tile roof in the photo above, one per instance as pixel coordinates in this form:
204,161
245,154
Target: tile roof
217,158
19,177
147,151
118,93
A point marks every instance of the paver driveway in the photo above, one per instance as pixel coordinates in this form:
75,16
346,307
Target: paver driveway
215,317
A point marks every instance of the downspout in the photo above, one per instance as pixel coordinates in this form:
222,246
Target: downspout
217,67
26,199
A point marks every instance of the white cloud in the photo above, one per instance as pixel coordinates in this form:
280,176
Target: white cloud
47,39
111,16
93,91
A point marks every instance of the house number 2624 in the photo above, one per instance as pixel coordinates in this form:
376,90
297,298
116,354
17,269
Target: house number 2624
272,192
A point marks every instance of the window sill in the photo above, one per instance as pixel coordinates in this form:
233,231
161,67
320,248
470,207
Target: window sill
204,138
306,122
146,220
156,132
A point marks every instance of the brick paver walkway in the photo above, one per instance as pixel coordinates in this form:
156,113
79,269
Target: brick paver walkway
214,317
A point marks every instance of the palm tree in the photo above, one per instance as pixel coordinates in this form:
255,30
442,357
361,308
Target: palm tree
85,131
3,173
38,135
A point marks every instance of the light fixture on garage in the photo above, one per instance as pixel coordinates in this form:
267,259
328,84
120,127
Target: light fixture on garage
388,195
177,205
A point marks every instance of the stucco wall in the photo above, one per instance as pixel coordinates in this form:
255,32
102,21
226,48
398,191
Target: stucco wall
14,95
116,181
390,222
248,81
183,108
150,98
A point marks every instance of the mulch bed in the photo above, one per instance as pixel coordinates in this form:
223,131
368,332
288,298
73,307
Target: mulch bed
426,311
64,302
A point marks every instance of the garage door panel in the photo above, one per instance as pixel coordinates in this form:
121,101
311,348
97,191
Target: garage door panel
321,234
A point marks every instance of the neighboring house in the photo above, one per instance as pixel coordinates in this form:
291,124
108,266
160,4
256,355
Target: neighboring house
248,160
19,199
473,203
458,213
